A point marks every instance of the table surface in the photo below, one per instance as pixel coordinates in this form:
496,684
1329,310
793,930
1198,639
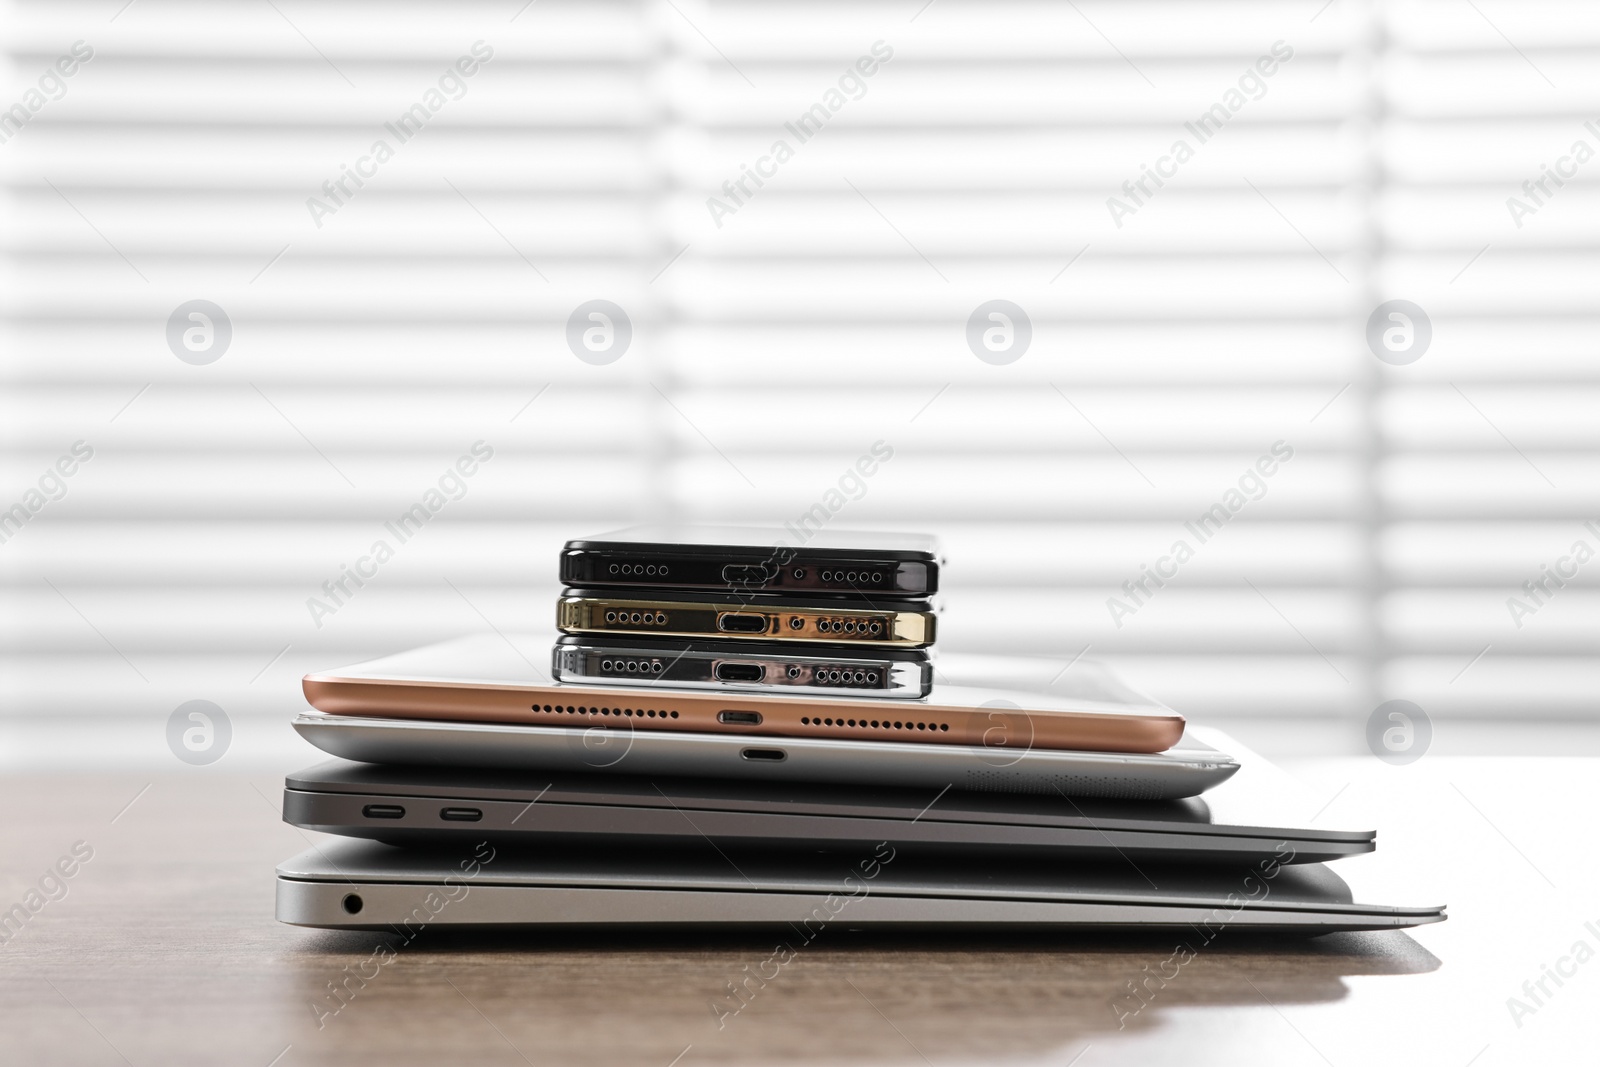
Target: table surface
163,950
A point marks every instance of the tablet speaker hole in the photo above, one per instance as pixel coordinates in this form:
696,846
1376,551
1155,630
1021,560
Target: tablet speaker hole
878,724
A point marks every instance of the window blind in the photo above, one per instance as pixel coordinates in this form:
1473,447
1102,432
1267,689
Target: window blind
1193,317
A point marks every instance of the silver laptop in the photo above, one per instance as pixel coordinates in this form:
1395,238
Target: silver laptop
370,885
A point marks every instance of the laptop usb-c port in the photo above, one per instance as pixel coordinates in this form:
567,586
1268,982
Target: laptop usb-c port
460,814
384,811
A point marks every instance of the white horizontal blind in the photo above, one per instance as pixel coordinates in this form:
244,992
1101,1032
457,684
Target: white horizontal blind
780,333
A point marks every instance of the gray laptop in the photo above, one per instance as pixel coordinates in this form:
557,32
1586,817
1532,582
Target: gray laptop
1247,819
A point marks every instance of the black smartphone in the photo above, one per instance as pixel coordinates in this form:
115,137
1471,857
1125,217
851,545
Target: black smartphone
748,666
789,559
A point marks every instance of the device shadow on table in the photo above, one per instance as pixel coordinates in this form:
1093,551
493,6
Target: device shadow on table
998,993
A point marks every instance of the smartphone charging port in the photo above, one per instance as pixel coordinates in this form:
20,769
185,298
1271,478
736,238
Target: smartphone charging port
740,718
740,623
737,574
765,755
740,672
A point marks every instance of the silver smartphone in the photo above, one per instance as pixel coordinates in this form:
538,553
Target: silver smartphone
742,666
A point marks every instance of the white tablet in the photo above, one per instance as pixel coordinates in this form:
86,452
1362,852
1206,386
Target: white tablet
1185,770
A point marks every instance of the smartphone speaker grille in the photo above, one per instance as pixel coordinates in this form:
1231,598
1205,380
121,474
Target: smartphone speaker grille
625,666
864,577
846,675
637,570
851,626
636,618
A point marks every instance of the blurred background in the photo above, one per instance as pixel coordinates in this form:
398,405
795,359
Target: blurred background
1158,339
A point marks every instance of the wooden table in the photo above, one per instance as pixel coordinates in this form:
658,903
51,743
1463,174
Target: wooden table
164,950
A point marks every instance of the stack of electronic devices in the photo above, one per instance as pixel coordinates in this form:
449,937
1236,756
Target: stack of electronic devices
738,732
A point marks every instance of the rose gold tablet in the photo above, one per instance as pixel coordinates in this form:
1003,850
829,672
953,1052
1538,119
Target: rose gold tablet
495,678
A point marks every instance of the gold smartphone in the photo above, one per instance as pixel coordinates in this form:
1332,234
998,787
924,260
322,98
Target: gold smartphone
886,623
492,678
